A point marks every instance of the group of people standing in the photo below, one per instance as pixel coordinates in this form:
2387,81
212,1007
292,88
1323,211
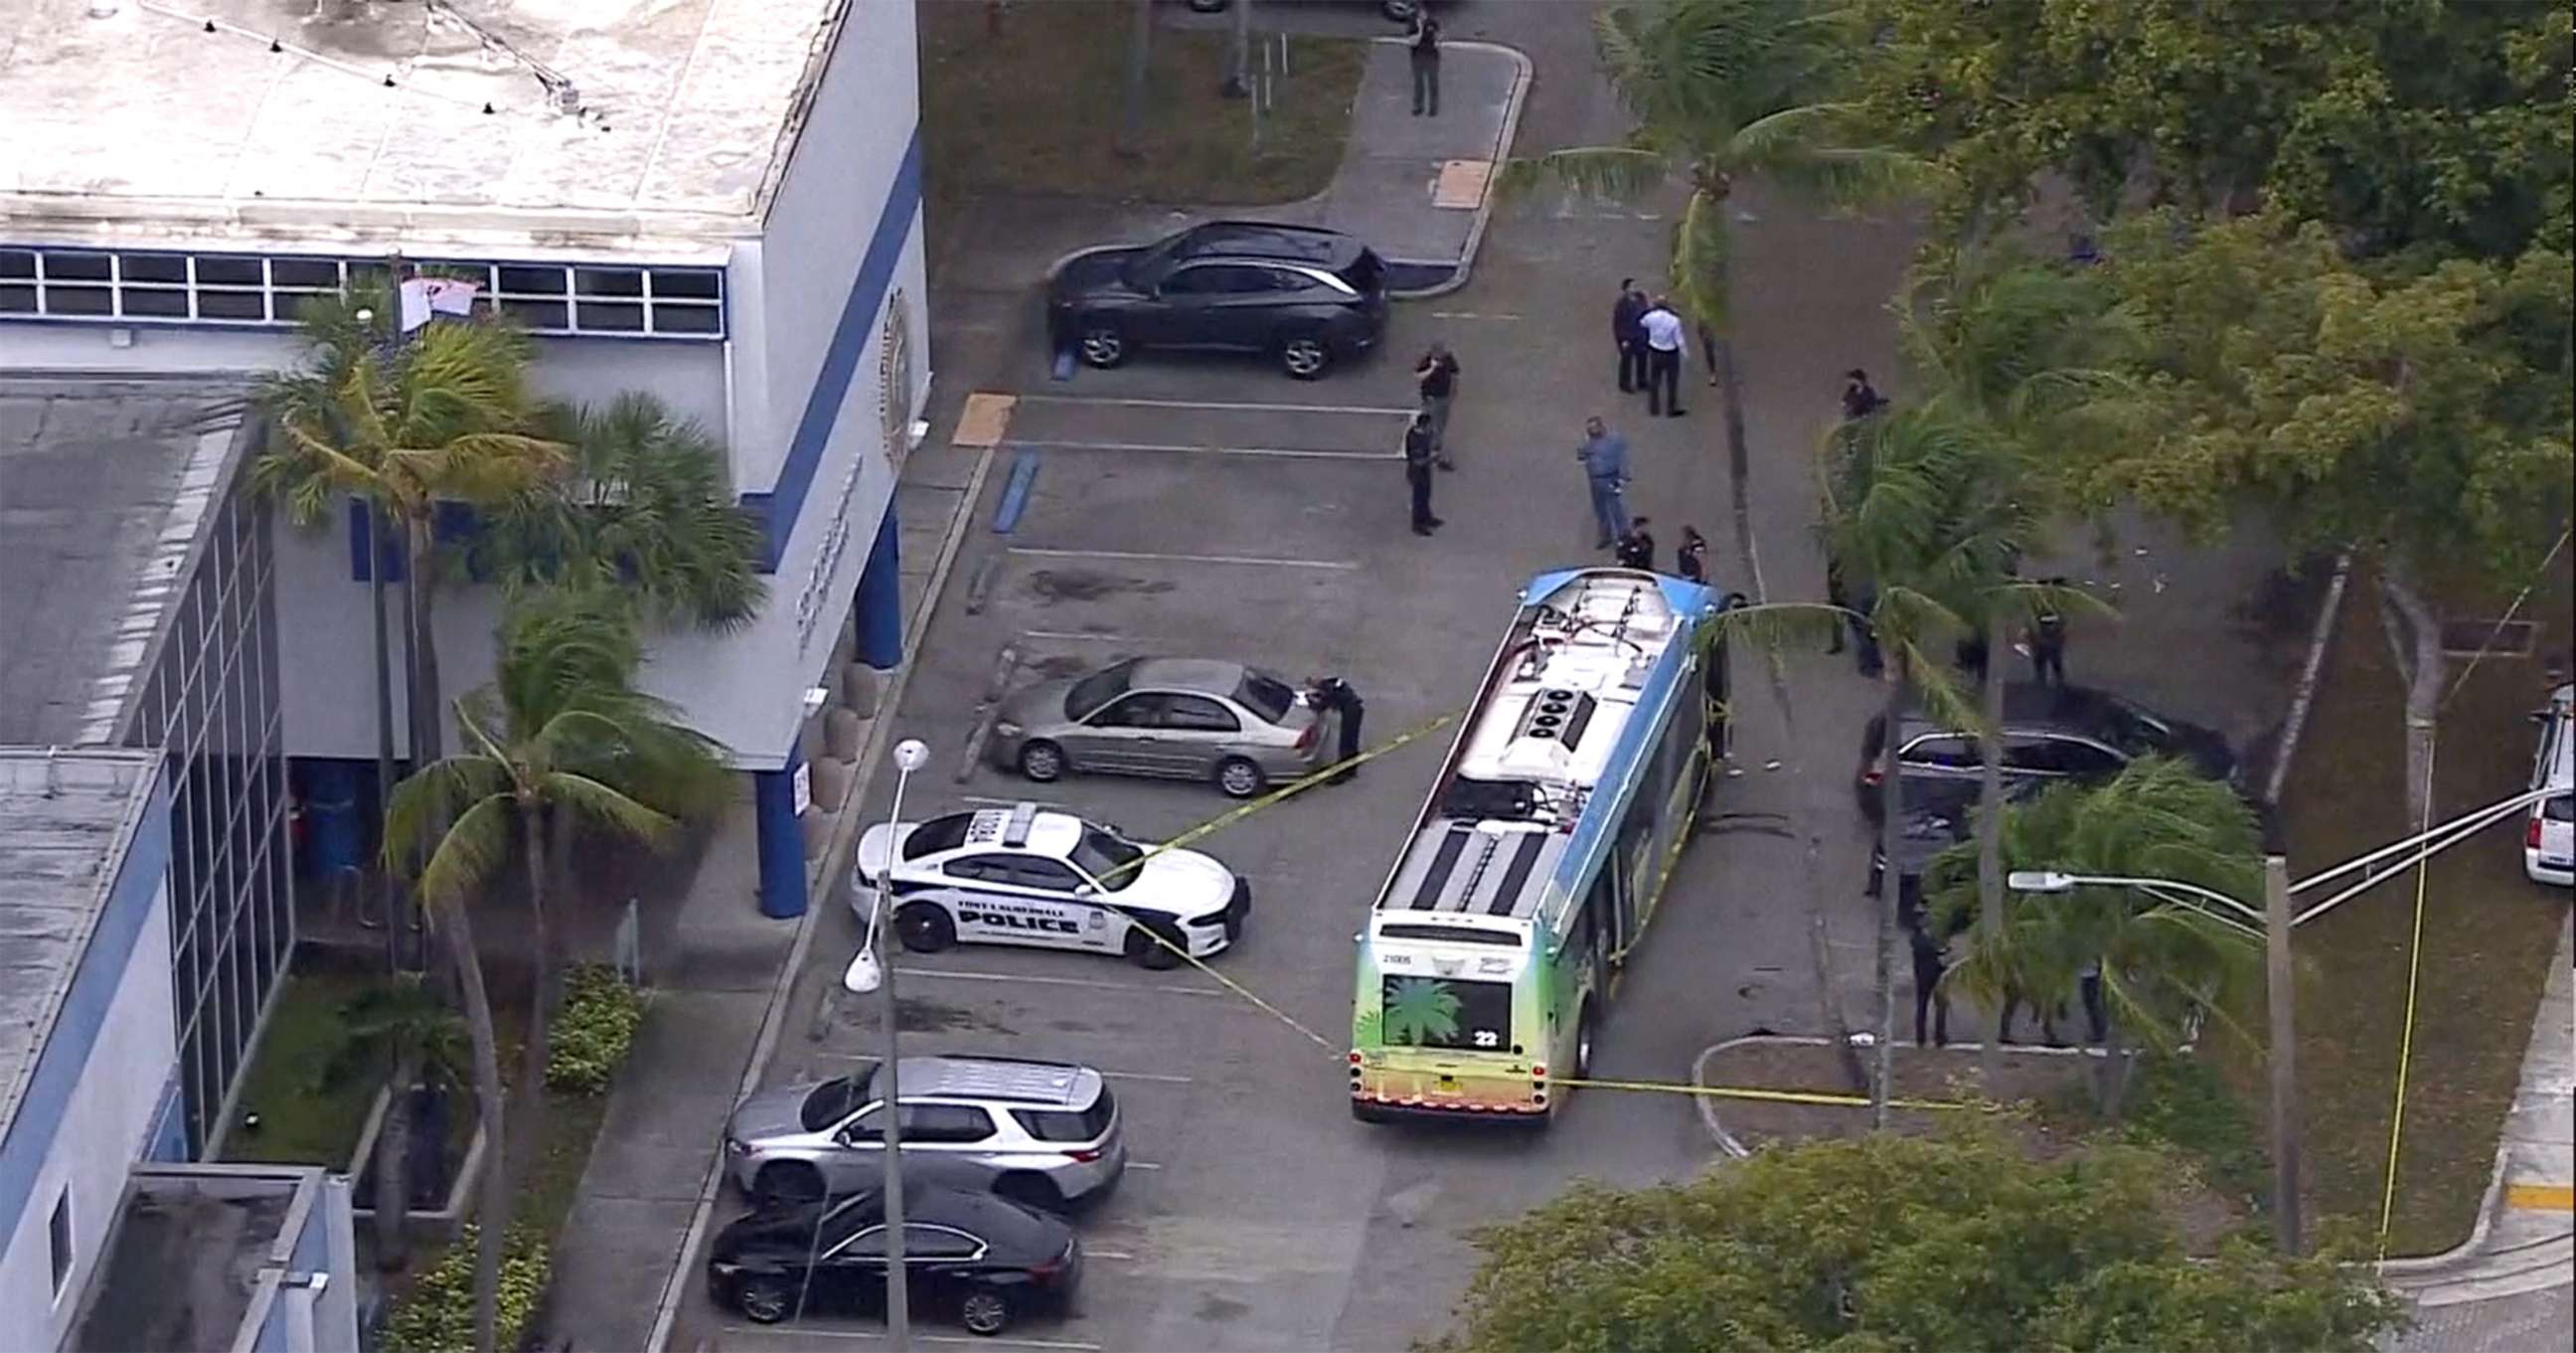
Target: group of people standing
1651,349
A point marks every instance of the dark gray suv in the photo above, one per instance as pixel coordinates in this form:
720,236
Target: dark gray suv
1305,295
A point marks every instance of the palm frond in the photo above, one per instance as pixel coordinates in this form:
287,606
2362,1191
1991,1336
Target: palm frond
469,854
1780,624
603,805
435,794
1614,173
1703,251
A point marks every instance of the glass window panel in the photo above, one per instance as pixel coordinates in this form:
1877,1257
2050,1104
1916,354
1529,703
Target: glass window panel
608,281
152,267
687,319
537,314
531,281
68,267
78,300
611,316
228,270
156,303
17,262
316,273
17,299
232,305
687,284
292,307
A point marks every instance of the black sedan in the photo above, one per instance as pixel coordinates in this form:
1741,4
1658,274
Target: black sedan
979,1258
1307,296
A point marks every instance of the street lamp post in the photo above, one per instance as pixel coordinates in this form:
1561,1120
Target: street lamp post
867,972
2276,953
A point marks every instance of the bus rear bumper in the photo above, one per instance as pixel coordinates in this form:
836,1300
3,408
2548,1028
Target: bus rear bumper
1389,1109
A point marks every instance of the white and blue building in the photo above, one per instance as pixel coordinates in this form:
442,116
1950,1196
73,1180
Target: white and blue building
718,201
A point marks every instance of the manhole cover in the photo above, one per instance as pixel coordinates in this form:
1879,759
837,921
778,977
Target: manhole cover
2494,638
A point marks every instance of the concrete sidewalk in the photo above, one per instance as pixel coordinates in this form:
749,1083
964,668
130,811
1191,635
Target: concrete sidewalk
2509,1286
713,963
1419,189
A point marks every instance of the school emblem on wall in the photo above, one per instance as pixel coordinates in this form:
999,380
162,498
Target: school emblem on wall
894,381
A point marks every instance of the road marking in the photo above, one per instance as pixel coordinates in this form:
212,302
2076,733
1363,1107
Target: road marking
1500,316
983,421
1156,1076
2541,1197
1087,636
1120,1255
1144,1165
1053,981
1140,557
1291,453
799,1329
1388,411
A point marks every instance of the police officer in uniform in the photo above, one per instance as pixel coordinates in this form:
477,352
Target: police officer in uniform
1335,694
1418,455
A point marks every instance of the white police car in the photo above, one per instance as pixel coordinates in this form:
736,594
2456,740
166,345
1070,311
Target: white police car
1036,876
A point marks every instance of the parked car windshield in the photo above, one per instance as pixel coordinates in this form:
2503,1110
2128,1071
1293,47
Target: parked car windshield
1095,690
1265,696
1107,858
835,1100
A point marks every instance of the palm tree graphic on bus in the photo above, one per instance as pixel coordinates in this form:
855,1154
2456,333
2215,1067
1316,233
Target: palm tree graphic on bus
1419,1011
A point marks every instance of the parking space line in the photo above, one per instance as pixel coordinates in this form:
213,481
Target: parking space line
1087,636
1289,452
1156,1076
1288,407
1136,556
1129,987
800,1329
1144,1165
1121,1256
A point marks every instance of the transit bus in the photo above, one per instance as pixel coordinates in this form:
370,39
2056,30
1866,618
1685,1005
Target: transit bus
1543,851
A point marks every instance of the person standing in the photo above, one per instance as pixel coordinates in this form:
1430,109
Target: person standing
1604,456
1334,694
1691,560
1627,331
1637,548
2046,641
1436,377
1423,46
1931,961
1417,472
1663,359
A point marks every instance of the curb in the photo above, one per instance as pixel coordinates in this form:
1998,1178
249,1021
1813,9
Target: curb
2303,696
1727,1142
1465,264
764,1046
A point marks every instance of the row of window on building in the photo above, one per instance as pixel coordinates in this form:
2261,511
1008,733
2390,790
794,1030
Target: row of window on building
251,289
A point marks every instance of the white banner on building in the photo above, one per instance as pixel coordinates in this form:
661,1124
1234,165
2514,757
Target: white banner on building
423,297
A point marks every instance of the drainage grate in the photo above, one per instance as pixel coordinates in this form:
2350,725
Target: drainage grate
2496,639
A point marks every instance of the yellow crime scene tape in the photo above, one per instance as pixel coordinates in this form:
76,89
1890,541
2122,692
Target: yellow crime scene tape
1429,726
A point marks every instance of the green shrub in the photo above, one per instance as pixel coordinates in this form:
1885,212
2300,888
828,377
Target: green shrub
594,1031
437,1315
2183,1102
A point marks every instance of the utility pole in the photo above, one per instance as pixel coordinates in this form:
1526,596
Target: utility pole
1140,40
2278,987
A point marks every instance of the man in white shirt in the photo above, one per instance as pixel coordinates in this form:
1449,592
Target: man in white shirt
1663,359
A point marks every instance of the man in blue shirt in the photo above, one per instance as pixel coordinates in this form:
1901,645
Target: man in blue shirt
1604,456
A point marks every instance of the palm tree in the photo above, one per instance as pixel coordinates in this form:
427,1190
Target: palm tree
644,506
440,415
404,1031
2029,350
1919,512
2167,961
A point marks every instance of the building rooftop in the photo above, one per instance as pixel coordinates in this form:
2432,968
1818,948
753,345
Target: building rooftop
64,823
104,485
196,1249
534,127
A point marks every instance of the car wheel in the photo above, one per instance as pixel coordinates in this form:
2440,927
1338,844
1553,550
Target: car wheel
787,1182
765,1300
1207,6
924,928
1144,953
1584,1027
1102,343
1042,761
986,1311
1305,356
1239,778
1031,1191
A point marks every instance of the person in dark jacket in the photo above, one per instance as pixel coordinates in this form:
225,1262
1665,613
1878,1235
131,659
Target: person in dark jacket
1422,45
1860,398
1691,560
2046,642
1628,331
1417,472
1436,378
1931,961
1334,694
1637,548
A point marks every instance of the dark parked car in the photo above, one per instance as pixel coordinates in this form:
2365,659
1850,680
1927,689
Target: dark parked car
1938,814
2050,733
1305,295
1401,11
984,1260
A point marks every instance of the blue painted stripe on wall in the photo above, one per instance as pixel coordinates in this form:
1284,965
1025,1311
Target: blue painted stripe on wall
784,503
66,1054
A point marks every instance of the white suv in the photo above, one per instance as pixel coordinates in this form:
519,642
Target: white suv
2549,842
1036,876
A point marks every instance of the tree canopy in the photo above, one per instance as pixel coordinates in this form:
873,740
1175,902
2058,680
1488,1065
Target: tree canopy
2402,123
1895,1244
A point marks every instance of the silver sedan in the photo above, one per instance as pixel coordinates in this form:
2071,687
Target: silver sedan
1185,718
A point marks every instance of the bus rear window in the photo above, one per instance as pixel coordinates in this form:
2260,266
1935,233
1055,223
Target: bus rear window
1437,1012
1448,934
